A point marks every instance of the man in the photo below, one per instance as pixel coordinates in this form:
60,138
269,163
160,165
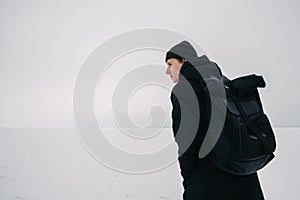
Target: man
190,120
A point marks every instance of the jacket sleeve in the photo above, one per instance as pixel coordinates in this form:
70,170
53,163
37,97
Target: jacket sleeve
189,114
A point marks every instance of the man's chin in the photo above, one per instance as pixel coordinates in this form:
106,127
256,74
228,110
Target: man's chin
175,81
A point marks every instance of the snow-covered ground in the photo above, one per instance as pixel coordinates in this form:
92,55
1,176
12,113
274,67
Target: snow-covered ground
45,164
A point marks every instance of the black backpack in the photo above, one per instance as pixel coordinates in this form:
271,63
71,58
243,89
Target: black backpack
247,141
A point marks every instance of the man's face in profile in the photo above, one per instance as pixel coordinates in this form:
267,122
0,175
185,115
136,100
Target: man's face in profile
173,68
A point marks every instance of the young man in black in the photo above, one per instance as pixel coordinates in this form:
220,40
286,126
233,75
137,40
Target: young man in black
190,120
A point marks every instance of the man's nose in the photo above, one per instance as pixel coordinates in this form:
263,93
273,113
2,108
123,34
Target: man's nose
168,71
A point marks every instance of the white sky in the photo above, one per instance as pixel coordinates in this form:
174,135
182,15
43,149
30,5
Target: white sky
44,43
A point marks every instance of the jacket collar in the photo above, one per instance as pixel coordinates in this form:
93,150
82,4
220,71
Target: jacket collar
189,71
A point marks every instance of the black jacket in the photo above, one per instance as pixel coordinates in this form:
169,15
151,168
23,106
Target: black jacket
201,179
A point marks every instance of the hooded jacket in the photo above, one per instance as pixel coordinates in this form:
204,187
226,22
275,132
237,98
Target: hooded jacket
191,103
190,119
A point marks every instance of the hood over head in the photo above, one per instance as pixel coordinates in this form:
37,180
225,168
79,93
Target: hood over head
182,50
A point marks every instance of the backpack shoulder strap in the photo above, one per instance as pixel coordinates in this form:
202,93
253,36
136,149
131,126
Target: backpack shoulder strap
226,80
